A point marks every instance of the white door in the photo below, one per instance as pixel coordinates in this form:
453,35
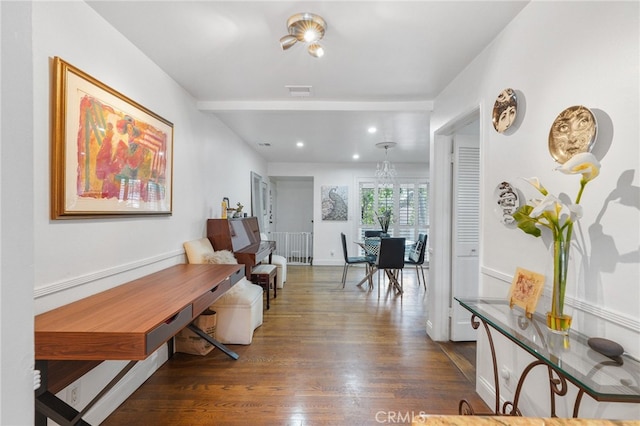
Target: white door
465,233
257,206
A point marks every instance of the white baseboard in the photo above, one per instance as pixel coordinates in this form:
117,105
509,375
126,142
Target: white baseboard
124,388
487,392
429,328
327,262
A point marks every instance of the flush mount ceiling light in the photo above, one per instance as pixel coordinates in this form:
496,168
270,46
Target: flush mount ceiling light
386,172
305,28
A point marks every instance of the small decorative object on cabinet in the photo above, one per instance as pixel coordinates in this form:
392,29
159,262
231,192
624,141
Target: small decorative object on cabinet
224,207
238,212
559,218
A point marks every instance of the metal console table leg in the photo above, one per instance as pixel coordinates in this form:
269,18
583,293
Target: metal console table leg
213,341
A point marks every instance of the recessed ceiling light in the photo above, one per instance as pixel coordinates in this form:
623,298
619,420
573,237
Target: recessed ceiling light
356,156
372,129
299,144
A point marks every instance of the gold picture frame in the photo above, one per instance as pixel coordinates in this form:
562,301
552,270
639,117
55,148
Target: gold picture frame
526,289
110,156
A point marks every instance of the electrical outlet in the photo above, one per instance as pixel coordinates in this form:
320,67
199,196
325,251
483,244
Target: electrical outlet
507,378
73,394
36,379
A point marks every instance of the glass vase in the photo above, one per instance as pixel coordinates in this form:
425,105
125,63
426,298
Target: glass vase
558,320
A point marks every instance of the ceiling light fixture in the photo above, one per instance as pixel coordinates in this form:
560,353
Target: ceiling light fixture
385,171
306,28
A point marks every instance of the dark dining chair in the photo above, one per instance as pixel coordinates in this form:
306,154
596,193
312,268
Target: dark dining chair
416,257
391,261
352,260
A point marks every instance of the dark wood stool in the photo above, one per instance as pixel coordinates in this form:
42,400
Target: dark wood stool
265,276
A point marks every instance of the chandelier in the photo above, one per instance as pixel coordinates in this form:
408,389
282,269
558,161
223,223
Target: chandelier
385,171
305,28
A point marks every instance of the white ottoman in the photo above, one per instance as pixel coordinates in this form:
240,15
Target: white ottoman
281,263
239,313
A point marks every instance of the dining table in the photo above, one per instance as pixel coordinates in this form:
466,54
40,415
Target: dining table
371,247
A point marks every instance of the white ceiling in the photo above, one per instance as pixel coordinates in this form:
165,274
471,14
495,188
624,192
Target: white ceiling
385,62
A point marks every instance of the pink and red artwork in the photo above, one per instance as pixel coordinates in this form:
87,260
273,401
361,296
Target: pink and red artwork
118,156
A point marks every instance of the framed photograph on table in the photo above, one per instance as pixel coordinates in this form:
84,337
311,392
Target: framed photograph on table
110,156
526,289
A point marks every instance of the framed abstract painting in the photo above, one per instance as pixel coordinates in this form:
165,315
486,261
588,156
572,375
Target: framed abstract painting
110,156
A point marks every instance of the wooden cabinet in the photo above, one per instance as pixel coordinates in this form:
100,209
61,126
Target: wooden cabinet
242,237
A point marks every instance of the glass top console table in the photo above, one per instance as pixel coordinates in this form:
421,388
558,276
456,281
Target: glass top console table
566,357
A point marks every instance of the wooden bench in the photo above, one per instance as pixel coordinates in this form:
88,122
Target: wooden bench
265,276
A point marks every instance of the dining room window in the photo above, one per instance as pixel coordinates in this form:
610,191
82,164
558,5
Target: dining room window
407,199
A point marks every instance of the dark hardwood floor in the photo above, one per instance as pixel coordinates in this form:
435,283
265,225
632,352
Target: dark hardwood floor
324,356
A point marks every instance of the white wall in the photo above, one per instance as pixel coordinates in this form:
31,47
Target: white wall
327,247
60,261
209,160
560,54
16,215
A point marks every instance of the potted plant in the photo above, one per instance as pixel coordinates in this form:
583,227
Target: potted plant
385,220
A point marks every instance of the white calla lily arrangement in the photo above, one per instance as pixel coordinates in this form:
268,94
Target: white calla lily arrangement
550,212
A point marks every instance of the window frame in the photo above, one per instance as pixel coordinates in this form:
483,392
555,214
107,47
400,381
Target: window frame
419,210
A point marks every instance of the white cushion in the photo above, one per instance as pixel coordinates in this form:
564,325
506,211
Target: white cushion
263,269
242,293
221,257
281,263
197,250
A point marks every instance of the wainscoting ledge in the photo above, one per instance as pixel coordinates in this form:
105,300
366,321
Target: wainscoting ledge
55,287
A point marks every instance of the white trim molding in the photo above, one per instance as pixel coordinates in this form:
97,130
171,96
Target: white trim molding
578,304
56,287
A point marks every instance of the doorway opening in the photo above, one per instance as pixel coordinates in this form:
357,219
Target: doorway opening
290,217
442,314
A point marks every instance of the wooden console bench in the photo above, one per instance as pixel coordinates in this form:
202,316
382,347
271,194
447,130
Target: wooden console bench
127,322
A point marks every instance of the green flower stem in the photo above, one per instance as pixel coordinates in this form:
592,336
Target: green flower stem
583,183
559,276
561,261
